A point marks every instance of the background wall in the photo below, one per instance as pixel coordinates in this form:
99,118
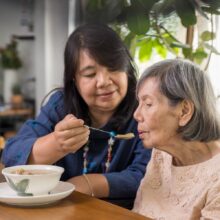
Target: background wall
51,30
42,56
12,15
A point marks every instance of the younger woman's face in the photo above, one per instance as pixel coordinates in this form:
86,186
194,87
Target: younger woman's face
102,89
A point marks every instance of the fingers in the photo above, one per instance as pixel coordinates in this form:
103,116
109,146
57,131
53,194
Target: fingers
74,144
69,122
71,134
66,134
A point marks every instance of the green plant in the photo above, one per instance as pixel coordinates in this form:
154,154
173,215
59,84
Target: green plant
9,57
16,89
150,26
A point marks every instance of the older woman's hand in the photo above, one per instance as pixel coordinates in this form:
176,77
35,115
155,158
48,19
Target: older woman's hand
71,134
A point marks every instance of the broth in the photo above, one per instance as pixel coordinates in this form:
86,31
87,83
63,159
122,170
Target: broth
22,171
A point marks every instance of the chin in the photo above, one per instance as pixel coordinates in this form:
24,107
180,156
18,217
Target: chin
147,145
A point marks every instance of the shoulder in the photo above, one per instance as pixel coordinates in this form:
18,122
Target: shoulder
56,95
53,104
54,98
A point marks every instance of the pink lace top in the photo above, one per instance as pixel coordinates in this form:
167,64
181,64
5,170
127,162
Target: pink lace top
179,193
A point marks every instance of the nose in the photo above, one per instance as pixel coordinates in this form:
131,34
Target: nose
103,79
137,115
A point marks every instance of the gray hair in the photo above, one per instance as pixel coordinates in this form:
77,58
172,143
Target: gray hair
182,80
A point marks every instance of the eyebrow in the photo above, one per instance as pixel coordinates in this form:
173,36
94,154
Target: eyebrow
144,97
86,68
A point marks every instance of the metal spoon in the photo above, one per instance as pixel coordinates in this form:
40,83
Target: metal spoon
112,134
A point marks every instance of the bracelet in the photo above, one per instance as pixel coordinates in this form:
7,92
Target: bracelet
89,184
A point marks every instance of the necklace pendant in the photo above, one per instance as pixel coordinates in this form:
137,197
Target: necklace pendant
85,170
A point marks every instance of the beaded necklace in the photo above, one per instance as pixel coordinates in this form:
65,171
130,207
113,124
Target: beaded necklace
111,142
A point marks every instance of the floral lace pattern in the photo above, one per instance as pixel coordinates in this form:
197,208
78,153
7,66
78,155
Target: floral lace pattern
180,193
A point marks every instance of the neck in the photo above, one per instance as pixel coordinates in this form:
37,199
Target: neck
190,153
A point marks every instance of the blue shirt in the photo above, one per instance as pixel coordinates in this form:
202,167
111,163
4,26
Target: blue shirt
129,158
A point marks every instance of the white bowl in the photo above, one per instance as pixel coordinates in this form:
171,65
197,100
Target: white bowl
39,180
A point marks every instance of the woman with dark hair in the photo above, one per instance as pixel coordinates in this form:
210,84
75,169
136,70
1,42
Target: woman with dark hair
177,115
99,92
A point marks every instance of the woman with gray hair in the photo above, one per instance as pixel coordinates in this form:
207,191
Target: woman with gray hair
178,116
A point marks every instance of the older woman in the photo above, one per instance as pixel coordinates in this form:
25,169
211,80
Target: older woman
177,115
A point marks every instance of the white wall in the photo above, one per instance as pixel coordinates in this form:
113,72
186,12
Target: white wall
10,24
51,21
43,56
214,67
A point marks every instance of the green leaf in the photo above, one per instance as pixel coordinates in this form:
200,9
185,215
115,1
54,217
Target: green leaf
179,45
164,7
186,12
133,47
211,48
142,41
187,52
212,3
199,55
198,7
207,35
161,50
137,21
103,11
211,10
146,4
145,51
128,39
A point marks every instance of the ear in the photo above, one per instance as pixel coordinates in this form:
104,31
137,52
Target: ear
186,112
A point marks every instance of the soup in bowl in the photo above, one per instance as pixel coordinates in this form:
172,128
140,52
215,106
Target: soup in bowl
32,180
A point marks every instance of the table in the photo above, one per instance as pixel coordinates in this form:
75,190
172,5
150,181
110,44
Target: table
77,206
16,112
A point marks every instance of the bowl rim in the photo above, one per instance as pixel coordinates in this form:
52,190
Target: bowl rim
7,170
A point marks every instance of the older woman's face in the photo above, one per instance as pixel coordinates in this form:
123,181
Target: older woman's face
157,120
101,89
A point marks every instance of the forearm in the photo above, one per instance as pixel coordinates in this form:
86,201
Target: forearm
46,151
95,184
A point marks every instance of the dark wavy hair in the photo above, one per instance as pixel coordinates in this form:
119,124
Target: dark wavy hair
180,80
107,49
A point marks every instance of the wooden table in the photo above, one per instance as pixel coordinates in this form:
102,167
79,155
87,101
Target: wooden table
77,206
16,112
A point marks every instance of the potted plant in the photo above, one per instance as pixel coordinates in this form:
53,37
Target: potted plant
149,27
17,97
9,56
10,63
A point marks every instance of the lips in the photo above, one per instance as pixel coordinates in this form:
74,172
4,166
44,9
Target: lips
141,133
106,93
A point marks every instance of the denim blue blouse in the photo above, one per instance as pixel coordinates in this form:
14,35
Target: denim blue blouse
129,158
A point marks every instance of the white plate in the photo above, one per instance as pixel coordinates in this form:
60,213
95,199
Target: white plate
7,195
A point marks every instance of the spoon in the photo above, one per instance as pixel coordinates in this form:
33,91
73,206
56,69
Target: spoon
112,134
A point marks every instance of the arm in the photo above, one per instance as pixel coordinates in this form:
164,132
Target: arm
92,184
69,135
121,184
48,145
